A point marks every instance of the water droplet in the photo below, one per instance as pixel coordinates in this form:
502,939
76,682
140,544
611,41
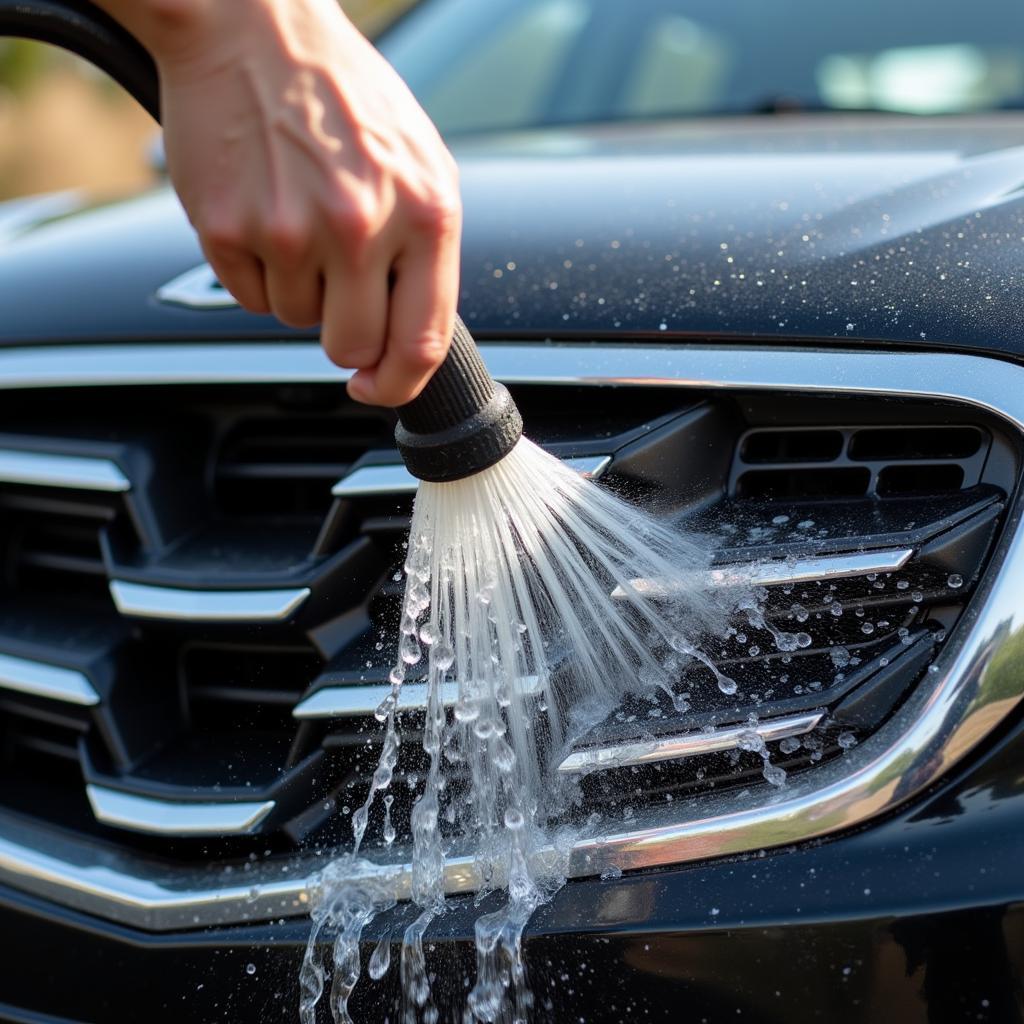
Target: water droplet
902,584
514,819
867,628
409,650
484,729
380,958
955,581
847,740
384,708
503,756
442,656
789,745
727,685
917,597
467,710
250,969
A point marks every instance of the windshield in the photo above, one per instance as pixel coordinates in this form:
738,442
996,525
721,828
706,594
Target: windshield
483,65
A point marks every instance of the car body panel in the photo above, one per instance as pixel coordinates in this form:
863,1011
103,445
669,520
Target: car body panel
887,229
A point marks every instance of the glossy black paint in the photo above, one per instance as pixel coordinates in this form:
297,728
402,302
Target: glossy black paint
917,919
893,229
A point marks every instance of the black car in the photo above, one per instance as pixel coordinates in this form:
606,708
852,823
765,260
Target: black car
759,267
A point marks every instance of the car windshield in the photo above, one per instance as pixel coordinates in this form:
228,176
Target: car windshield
485,65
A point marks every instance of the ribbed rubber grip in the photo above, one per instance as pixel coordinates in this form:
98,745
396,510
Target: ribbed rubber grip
462,422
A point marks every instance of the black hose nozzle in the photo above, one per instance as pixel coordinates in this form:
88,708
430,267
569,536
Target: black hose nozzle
462,422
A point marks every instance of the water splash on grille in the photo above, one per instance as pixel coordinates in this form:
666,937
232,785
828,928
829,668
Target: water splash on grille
524,585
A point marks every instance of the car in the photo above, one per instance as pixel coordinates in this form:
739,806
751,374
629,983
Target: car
757,268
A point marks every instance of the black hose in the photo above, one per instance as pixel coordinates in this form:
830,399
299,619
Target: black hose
463,421
84,29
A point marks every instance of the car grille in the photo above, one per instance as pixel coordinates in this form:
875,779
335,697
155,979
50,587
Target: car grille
200,595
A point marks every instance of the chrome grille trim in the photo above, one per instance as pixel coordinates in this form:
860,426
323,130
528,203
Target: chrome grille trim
42,469
802,570
51,682
356,701
148,602
388,478
375,480
175,817
949,713
670,748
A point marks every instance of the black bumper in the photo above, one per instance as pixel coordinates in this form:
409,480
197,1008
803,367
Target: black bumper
919,918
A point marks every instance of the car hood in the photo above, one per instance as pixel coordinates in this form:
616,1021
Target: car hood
854,228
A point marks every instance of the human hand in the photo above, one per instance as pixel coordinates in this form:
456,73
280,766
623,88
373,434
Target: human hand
320,190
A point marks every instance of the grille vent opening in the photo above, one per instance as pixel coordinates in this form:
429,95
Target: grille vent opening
51,551
792,446
826,482
287,465
233,690
807,462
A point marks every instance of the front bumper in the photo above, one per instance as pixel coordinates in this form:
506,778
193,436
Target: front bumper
918,918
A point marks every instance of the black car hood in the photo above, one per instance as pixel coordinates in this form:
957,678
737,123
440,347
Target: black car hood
853,228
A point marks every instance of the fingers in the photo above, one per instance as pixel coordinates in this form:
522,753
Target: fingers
296,294
241,273
355,311
420,319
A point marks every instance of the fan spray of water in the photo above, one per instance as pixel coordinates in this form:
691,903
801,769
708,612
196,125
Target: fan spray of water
522,590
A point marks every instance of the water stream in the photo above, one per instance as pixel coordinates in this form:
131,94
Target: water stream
524,585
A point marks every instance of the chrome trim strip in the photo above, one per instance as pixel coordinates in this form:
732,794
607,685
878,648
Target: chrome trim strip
74,471
671,748
43,680
800,570
394,478
589,466
359,701
367,481
197,288
949,713
175,817
148,602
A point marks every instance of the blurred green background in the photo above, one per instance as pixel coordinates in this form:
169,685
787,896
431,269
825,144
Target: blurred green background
63,125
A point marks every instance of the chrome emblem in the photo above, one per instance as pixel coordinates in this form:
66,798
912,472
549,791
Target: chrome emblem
197,288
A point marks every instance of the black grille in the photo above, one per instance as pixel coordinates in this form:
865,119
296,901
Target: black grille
228,491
